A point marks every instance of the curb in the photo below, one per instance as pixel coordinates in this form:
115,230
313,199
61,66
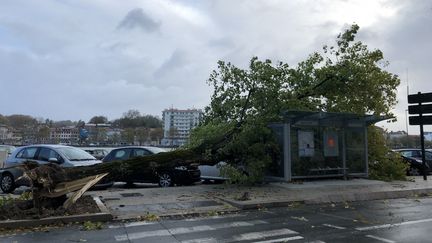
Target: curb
182,215
248,206
103,216
196,214
332,198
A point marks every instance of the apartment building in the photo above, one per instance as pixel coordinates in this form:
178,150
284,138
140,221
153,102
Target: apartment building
177,125
67,134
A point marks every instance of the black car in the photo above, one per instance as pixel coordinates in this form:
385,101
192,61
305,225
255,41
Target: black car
165,177
414,158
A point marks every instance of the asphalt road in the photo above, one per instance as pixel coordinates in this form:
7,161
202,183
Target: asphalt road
398,220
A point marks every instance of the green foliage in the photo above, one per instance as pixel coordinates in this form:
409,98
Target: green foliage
88,225
4,200
150,217
383,164
26,196
210,130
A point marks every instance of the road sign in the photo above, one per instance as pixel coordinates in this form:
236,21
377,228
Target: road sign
417,109
420,98
421,120
416,120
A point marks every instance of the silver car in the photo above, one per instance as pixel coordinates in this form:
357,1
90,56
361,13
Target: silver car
212,172
65,156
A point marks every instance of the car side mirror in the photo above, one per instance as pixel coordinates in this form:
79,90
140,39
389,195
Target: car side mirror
53,160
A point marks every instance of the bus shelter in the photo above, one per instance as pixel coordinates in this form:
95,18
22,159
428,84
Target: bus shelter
321,144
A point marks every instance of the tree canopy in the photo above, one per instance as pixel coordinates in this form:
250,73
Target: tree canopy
98,120
134,119
344,77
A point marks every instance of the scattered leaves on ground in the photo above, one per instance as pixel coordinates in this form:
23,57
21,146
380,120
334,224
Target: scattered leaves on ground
88,225
212,213
149,217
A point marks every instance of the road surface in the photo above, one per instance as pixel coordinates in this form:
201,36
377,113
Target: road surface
398,220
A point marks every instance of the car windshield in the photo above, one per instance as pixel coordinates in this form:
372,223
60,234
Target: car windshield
74,154
156,150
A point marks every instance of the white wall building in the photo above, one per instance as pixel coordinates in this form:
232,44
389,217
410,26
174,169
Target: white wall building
65,134
177,125
6,133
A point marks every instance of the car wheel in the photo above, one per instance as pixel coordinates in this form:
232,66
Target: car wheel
165,180
7,183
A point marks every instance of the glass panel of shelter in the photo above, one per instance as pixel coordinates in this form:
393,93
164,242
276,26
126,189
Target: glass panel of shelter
316,151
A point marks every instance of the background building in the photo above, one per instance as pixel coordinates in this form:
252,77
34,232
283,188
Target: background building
65,135
177,125
6,134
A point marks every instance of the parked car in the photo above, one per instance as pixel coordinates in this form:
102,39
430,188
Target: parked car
65,156
414,158
212,172
165,177
98,153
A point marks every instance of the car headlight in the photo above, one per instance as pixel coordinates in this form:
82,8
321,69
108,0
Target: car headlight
180,168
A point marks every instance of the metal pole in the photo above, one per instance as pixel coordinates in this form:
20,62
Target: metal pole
422,142
406,121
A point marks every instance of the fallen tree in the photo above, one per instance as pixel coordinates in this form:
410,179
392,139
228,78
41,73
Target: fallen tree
50,183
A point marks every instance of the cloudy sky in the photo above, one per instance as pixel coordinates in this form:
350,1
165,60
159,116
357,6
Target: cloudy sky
72,59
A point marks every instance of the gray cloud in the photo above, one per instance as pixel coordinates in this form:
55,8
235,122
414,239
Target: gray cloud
136,18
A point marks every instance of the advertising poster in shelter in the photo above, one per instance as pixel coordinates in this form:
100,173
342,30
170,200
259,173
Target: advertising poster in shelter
306,143
331,144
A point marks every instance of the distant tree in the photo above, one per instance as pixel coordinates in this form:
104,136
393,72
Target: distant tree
4,120
64,123
128,135
142,135
133,119
49,122
156,134
132,114
43,134
98,120
21,121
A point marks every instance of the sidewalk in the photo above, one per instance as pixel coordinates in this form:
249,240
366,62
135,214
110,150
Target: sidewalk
212,200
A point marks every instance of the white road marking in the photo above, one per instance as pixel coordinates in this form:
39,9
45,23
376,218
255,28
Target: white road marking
393,225
202,240
263,234
281,239
132,224
380,239
185,230
334,226
139,235
216,217
139,223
